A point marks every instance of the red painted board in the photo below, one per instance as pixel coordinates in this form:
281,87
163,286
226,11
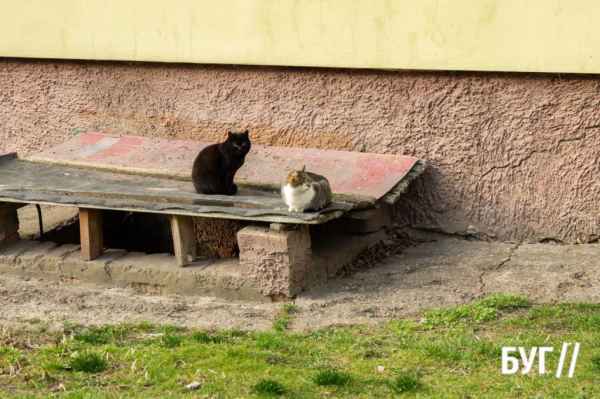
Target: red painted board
350,173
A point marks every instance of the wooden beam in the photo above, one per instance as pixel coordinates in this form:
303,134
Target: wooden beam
184,240
90,226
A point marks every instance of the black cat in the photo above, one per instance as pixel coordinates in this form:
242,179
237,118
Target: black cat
215,166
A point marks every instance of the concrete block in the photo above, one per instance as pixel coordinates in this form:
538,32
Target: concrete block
368,221
72,269
332,251
157,274
23,259
276,262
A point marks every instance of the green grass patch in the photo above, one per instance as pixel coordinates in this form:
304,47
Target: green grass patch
504,302
286,318
101,335
145,326
89,362
170,340
268,387
481,311
204,338
450,352
290,308
405,383
283,323
332,377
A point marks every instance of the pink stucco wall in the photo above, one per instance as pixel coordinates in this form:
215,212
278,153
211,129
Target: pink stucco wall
510,155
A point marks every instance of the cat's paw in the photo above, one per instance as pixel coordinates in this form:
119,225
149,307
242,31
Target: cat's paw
232,190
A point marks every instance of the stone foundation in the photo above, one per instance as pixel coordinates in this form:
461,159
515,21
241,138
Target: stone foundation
364,222
276,262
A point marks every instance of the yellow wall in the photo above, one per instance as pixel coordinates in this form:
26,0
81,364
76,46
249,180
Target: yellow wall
487,35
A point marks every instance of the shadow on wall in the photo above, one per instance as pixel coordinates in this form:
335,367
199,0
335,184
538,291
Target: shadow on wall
423,203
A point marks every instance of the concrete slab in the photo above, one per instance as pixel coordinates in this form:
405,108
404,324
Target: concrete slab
443,273
156,274
29,249
117,268
549,272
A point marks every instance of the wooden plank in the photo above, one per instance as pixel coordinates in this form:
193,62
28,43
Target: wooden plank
184,240
90,226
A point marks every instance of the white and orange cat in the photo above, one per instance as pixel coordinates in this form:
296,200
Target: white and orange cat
303,191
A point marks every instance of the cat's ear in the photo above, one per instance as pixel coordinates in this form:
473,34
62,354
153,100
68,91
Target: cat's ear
246,132
228,135
304,168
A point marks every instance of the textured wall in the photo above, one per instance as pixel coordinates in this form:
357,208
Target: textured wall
510,154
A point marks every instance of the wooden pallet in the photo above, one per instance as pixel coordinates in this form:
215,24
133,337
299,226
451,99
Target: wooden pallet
95,172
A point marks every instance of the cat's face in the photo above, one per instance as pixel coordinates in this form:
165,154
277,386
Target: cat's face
298,178
240,142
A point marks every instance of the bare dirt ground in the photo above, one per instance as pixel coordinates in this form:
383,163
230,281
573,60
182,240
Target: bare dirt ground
444,272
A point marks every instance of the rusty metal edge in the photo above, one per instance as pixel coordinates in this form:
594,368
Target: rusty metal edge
394,194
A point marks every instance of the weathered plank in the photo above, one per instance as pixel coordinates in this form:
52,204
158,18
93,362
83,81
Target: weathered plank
92,243
184,241
85,188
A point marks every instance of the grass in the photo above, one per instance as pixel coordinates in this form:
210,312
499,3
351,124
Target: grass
596,362
88,363
485,310
99,335
332,377
449,352
171,340
286,317
268,387
405,383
